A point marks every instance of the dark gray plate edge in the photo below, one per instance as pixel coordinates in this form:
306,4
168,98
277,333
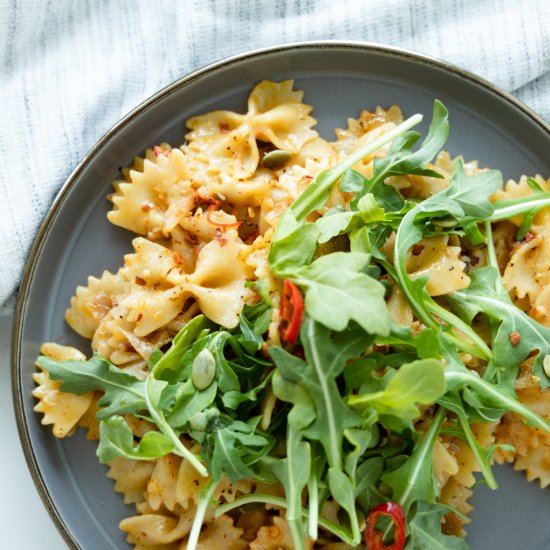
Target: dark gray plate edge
20,310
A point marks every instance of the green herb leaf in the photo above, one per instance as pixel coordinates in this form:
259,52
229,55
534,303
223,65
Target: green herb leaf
124,393
232,446
421,381
293,472
326,355
414,480
117,440
189,402
425,530
337,292
517,334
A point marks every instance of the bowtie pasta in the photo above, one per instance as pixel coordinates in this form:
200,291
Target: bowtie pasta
199,306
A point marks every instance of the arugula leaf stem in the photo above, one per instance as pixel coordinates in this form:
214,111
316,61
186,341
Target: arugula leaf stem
313,505
335,456
294,491
423,449
464,377
485,468
164,427
329,526
208,492
514,207
481,349
492,256
318,190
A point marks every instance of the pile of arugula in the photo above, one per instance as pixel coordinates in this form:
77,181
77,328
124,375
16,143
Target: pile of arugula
349,403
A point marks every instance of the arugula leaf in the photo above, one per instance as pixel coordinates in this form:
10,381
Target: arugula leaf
421,381
336,221
326,355
343,491
517,334
337,292
425,530
116,439
232,399
193,330
457,376
254,322
189,402
401,160
466,199
295,249
293,472
318,191
124,393
352,181
231,446
414,480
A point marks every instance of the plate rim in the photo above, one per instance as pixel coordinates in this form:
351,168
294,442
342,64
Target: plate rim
51,215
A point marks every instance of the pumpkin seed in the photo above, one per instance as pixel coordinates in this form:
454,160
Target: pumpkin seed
275,158
203,369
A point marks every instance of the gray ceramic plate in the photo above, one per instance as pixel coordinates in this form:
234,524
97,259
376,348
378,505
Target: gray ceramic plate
76,240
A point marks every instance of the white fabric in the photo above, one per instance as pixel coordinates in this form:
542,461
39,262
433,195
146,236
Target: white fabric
71,68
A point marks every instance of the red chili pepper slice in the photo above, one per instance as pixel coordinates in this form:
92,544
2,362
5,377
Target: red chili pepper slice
373,537
290,311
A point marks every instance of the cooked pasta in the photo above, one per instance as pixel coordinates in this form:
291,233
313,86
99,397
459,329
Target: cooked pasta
205,216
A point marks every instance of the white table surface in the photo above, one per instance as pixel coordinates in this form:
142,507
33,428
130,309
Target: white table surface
24,522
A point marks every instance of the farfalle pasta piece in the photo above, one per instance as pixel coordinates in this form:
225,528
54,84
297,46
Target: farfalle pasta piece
161,488
454,466
131,478
157,528
222,534
154,198
441,263
156,275
275,114
276,537
218,282
369,123
62,410
527,274
93,302
399,307
531,446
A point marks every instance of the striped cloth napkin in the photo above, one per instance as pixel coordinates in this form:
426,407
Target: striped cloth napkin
70,70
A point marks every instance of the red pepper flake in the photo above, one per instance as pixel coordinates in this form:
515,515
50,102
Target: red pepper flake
178,258
140,281
219,237
224,127
158,151
417,249
528,237
373,537
147,206
515,338
139,317
214,208
290,312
